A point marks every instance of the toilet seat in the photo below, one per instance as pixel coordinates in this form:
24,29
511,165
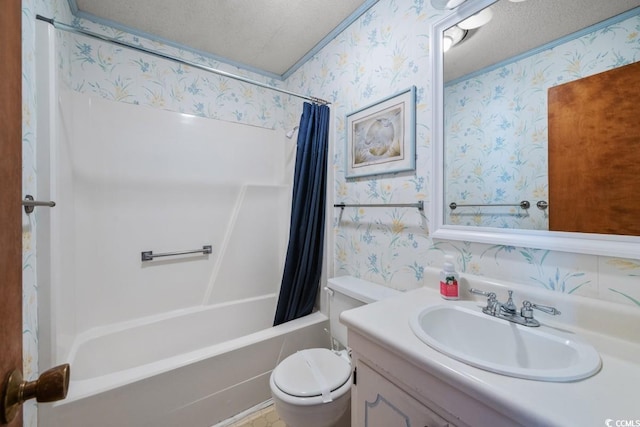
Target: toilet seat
312,372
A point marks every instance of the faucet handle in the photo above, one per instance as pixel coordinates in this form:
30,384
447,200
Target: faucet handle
489,295
492,300
527,307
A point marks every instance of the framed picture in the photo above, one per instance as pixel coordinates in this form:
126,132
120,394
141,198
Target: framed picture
381,137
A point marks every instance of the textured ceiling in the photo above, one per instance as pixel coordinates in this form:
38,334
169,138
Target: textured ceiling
519,27
273,37
266,36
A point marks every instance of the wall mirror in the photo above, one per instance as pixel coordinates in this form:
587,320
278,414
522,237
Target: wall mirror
472,167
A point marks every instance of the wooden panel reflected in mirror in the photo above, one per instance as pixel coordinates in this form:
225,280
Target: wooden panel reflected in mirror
594,153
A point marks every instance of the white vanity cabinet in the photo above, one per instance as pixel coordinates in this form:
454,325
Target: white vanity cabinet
377,402
390,391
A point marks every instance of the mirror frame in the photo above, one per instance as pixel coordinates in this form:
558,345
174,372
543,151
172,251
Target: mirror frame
582,243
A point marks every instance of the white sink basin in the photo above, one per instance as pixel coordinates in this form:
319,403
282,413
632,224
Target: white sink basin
463,332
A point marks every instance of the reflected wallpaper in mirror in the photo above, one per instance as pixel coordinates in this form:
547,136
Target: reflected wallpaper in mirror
495,124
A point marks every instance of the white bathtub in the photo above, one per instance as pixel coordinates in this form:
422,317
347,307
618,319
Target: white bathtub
191,368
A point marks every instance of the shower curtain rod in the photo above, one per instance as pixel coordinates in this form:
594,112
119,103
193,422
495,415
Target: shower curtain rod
65,27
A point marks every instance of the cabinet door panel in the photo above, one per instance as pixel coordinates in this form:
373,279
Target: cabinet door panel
379,403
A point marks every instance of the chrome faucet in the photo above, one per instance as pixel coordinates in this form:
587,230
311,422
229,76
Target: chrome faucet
509,311
509,307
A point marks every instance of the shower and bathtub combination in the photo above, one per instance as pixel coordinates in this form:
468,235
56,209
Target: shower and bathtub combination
175,340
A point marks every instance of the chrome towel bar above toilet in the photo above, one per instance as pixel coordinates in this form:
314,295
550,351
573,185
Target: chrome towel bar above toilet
149,255
419,205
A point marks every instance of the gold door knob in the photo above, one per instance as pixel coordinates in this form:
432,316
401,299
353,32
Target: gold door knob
52,385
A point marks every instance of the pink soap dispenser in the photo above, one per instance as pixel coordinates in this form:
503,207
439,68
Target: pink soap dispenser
449,280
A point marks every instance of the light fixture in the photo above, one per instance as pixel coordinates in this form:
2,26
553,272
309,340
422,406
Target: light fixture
477,20
446,4
452,36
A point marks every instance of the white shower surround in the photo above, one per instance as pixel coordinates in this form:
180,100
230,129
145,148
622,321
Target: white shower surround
175,338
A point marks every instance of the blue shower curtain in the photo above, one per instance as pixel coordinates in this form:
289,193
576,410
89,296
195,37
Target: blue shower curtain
303,264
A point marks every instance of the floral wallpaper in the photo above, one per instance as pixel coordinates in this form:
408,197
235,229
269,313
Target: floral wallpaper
125,75
383,52
496,126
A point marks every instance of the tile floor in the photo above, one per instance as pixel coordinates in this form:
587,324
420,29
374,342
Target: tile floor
266,417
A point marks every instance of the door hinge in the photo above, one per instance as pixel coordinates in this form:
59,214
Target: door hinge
355,376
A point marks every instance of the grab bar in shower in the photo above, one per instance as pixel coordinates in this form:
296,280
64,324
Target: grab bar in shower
149,255
419,205
29,203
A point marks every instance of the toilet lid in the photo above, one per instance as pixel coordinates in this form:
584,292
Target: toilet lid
311,372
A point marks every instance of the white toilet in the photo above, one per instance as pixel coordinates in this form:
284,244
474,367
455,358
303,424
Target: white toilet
311,388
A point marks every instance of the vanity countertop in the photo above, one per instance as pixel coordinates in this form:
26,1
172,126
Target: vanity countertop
611,394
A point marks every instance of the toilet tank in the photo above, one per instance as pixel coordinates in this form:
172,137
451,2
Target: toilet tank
350,292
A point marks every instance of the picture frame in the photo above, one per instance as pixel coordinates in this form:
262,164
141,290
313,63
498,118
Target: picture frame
381,137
